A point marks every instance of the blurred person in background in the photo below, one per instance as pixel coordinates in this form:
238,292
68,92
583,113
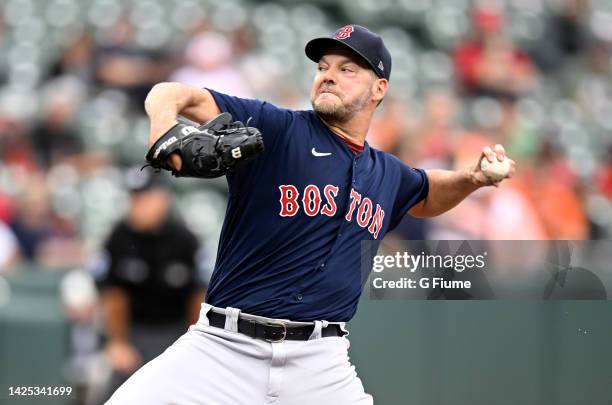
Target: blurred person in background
431,142
9,248
121,64
75,59
508,207
86,368
149,276
488,63
209,58
566,37
55,138
44,237
554,189
15,147
438,132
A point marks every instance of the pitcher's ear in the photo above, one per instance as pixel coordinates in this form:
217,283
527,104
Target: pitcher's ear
380,88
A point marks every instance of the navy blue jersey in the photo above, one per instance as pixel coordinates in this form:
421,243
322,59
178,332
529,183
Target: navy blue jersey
290,246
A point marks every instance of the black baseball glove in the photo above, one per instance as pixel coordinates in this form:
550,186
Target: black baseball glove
208,151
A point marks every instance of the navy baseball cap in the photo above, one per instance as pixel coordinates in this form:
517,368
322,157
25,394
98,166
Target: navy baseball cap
360,40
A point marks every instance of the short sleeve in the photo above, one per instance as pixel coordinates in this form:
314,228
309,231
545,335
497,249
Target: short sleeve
413,188
272,121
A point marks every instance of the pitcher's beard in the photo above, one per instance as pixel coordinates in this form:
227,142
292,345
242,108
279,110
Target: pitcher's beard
334,113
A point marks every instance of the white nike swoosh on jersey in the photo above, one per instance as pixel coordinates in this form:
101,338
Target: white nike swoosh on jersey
315,153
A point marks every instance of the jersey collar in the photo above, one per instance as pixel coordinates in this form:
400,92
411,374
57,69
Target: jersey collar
340,141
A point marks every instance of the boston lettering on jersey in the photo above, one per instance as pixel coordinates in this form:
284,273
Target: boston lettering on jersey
290,246
311,201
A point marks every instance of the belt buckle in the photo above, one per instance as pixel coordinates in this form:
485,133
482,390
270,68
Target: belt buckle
284,335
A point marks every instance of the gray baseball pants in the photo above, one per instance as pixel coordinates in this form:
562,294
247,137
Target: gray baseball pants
214,366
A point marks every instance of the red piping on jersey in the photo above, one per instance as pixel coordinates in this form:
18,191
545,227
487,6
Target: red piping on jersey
353,146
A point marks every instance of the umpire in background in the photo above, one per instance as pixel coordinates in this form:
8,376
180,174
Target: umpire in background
149,277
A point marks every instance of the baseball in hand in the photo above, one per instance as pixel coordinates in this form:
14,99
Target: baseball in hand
495,170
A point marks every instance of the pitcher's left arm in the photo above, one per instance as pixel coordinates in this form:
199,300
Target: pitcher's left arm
447,188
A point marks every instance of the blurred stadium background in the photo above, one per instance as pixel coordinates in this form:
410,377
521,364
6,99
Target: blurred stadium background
534,75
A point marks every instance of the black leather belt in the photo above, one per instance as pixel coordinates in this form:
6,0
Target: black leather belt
273,331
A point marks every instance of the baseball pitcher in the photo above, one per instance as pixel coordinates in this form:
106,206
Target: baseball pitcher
305,189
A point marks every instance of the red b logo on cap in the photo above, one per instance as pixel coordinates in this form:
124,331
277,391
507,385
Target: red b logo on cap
344,32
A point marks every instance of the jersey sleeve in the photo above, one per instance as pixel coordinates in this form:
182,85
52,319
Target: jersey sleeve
413,188
269,119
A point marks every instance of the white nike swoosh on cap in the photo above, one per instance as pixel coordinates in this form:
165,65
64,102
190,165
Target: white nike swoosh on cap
315,153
